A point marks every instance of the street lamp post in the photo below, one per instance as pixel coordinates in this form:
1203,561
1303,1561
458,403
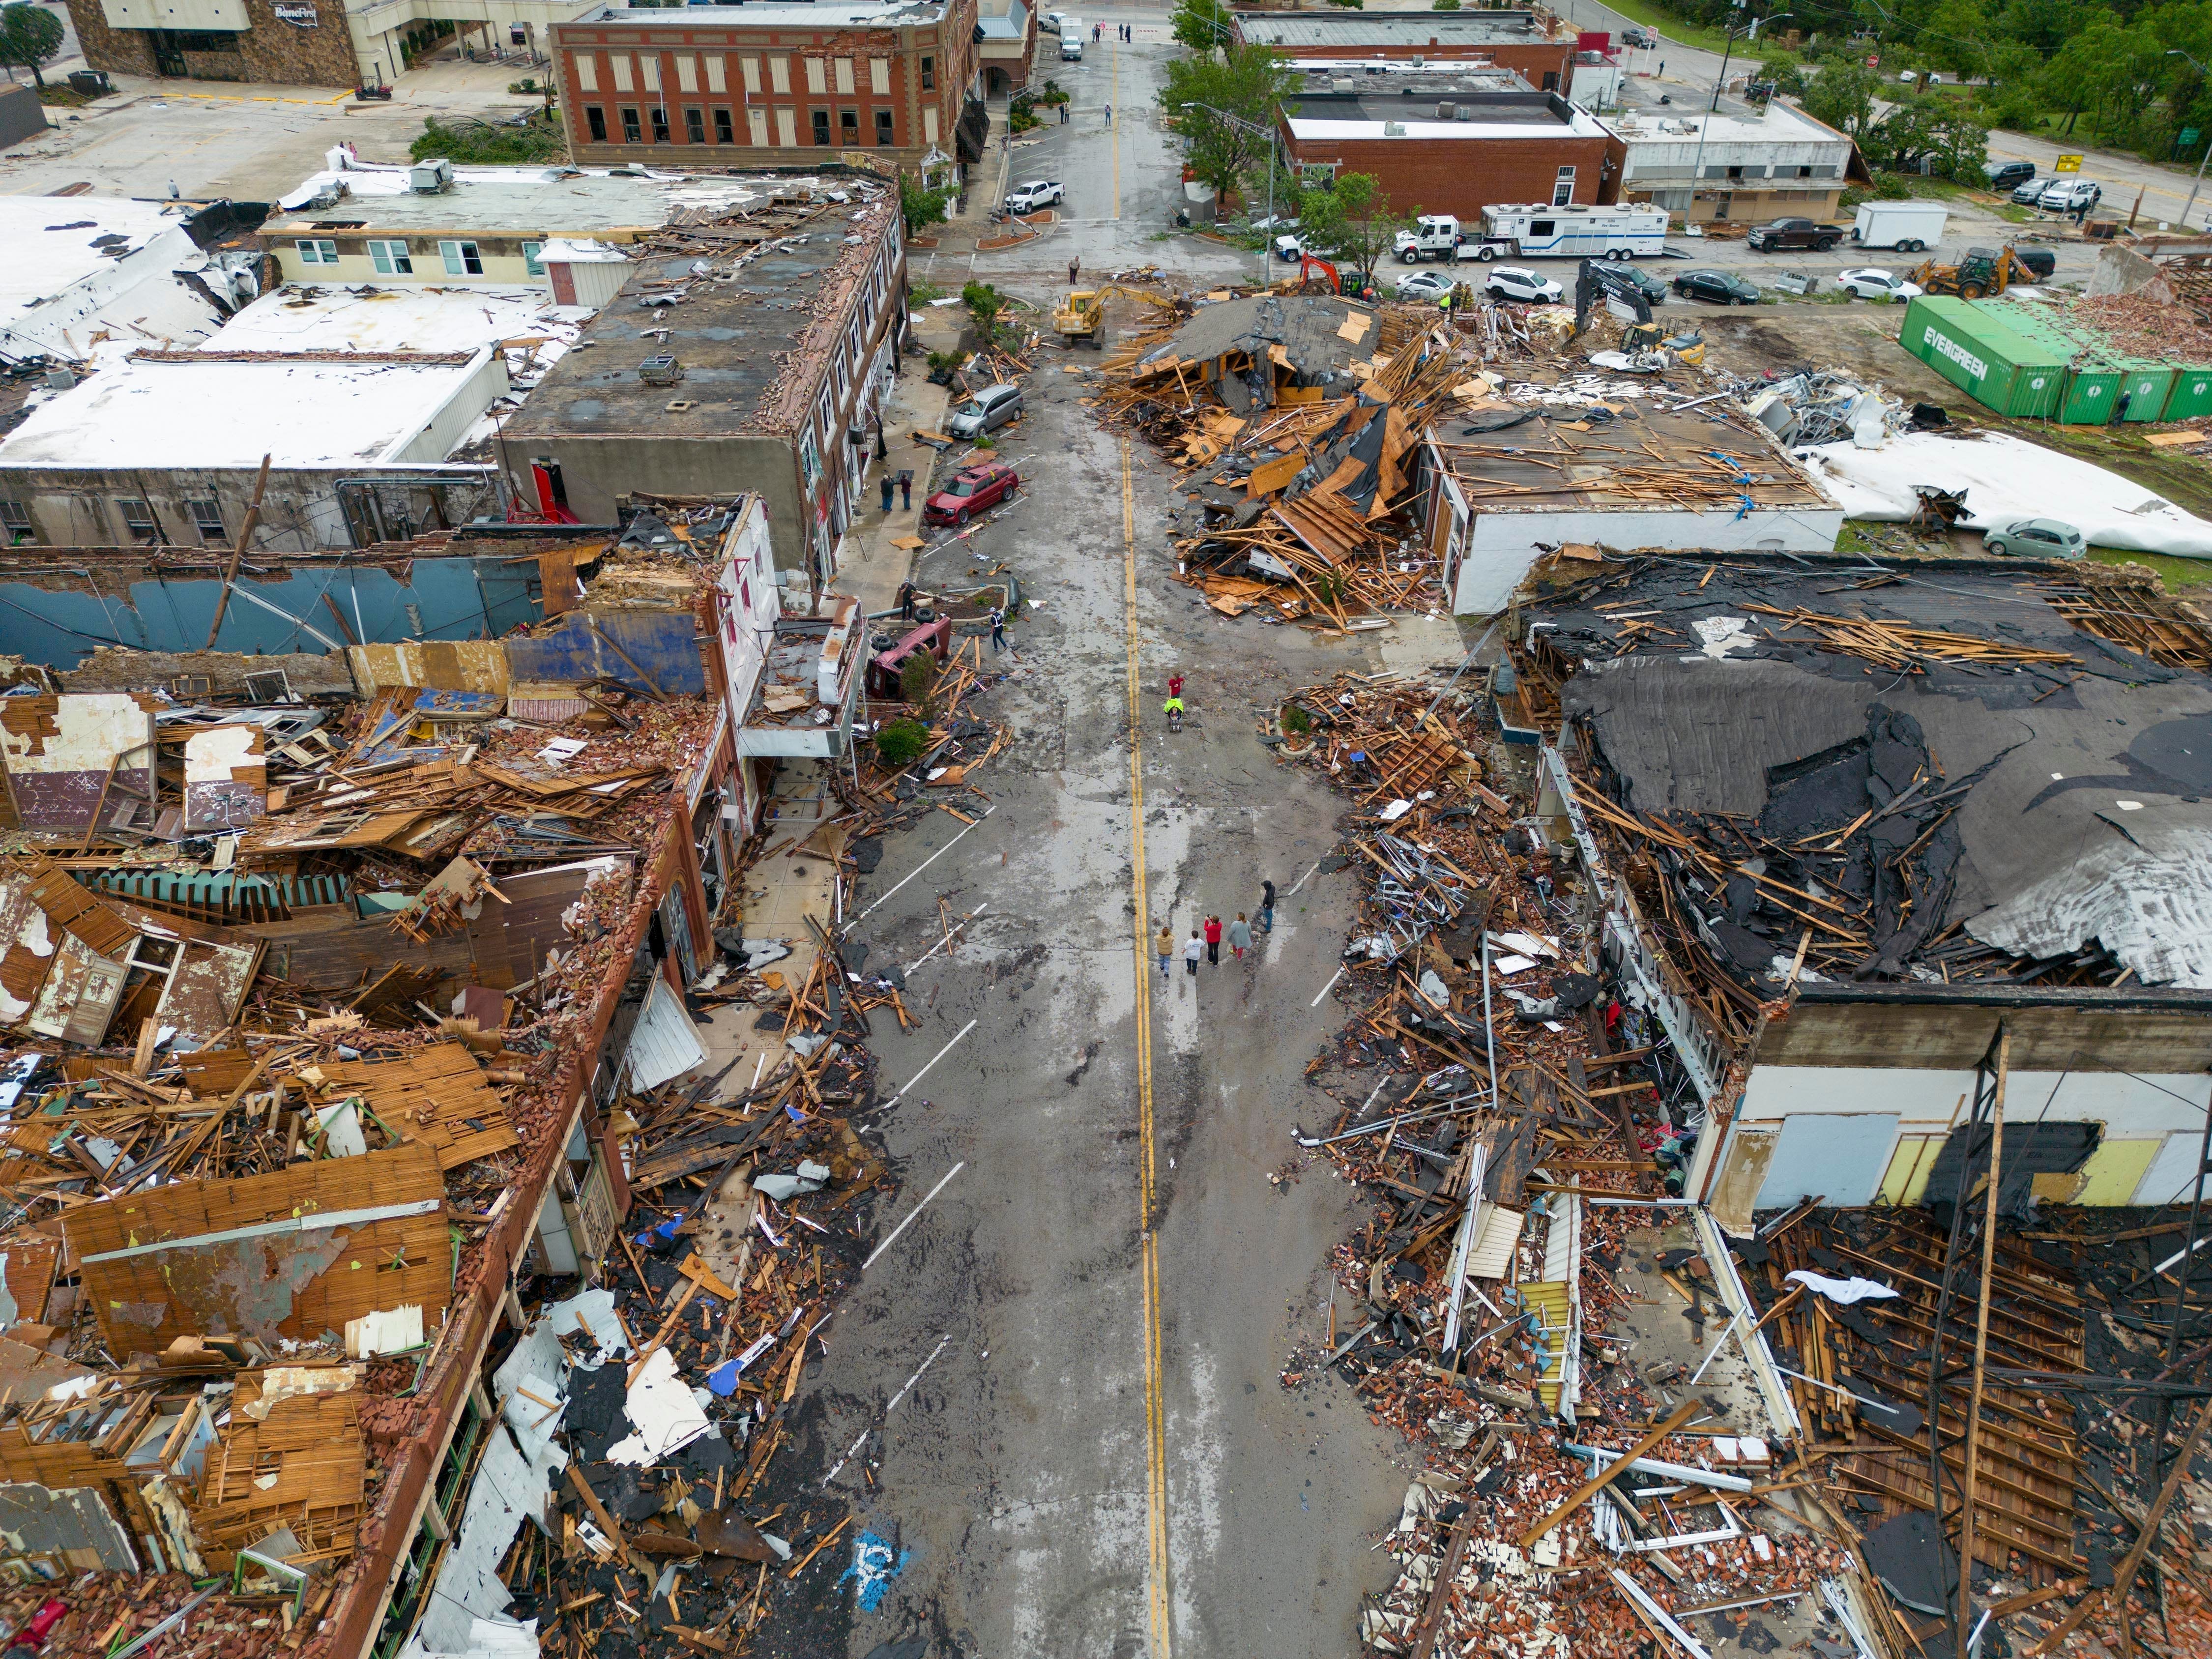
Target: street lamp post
1751,29
1697,161
1241,124
2177,52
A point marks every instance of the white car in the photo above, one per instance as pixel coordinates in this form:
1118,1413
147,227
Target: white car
1289,249
1028,199
1519,283
1276,222
2064,195
1425,285
1052,20
1870,284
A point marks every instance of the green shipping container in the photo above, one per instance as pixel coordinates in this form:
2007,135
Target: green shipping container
2191,395
2091,392
2145,387
1997,369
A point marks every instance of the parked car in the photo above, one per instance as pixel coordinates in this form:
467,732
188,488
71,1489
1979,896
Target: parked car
1795,233
1425,285
974,489
1519,283
1071,39
2028,191
1276,222
1871,284
1722,287
1028,199
1052,20
2034,538
987,410
1639,36
1289,249
2064,195
2007,175
2040,261
1652,287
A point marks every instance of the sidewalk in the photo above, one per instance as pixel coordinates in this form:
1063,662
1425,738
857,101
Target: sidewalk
874,574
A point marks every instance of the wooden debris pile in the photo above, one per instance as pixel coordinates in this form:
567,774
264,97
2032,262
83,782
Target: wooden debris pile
1300,456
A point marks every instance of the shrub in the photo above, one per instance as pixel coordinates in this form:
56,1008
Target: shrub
916,675
468,143
902,741
1296,722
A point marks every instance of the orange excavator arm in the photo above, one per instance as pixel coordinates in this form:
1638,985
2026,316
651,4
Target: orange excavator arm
1308,263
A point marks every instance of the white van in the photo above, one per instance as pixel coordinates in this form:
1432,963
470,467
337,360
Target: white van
1071,39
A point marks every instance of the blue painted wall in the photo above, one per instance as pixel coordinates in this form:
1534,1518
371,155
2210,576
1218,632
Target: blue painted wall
451,598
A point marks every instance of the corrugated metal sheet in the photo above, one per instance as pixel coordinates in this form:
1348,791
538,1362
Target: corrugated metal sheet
664,1044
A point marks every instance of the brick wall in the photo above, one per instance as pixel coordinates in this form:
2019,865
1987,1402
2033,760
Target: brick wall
763,97
1462,176
271,49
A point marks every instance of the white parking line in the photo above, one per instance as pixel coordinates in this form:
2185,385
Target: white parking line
931,860
1303,879
942,943
924,1072
910,1215
1326,988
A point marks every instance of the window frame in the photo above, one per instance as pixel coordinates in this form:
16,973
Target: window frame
660,118
819,119
726,127
849,123
147,529
886,128
595,123
530,261
633,129
317,250
695,125
929,74
386,262
1564,182
458,256
207,518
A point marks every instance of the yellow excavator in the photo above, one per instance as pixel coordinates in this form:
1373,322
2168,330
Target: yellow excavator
1083,316
1984,271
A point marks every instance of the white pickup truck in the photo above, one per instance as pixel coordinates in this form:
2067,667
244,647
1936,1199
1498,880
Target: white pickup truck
1028,199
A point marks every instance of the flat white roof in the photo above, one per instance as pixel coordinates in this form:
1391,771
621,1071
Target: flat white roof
229,415
1780,124
307,317
527,199
54,241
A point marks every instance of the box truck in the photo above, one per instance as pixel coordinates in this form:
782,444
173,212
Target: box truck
1908,227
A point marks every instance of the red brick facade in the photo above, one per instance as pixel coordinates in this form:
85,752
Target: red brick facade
1462,176
762,96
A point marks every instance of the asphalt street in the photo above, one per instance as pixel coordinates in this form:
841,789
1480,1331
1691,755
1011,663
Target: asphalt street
1060,1491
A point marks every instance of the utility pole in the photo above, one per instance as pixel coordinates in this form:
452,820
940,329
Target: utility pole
2207,156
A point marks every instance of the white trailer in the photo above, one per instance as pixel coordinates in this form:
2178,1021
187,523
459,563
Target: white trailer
1624,232
1908,227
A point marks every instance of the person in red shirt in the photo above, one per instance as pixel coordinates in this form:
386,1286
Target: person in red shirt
1175,685
1213,940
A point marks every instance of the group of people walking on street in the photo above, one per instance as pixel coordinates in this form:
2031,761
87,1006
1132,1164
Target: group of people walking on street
1206,940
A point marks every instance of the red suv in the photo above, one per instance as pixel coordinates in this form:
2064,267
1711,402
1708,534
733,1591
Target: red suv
974,489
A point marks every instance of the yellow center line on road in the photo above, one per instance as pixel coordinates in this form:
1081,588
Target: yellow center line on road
1114,138
1156,1433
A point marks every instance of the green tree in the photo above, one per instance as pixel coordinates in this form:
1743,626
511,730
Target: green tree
1204,26
1215,104
1351,221
29,37
984,304
1444,5
1843,95
1924,127
919,206
1785,71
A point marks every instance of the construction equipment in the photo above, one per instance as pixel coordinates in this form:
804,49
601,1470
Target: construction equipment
1985,270
1312,270
1083,316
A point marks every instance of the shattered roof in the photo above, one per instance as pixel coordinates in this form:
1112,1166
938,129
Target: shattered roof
2059,778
